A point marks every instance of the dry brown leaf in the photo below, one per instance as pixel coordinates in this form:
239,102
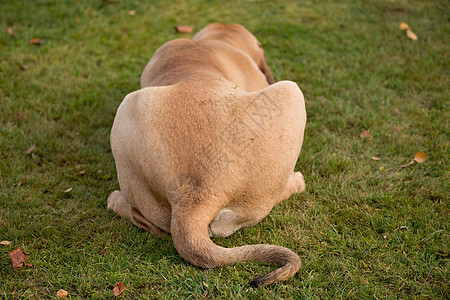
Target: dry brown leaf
119,288
19,258
10,31
375,158
420,157
411,35
68,190
62,294
403,26
25,67
31,149
132,13
80,173
5,243
185,28
365,134
36,41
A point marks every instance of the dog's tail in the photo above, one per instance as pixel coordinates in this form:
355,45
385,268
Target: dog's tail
190,235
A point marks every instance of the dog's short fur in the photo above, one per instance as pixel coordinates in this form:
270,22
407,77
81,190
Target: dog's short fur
207,146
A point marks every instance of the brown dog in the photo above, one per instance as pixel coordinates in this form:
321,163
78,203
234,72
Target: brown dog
207,147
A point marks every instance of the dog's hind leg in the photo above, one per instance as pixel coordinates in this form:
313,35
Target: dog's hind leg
140,221
118,204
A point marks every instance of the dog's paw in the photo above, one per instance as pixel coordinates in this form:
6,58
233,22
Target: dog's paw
224,224
113,200
117,203
298,182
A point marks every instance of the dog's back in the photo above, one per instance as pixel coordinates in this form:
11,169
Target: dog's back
183,59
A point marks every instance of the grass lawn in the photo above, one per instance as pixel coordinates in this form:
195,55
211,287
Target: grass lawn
364,228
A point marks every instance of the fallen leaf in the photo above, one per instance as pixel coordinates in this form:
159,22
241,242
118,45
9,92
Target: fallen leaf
68,190
403,26
36,41
420,157
375,158
31,149
10,31
408,164
365,134
119,288
381,168
185,28
25,67
132,13
80,173
5,243
19,258
411,34
62,294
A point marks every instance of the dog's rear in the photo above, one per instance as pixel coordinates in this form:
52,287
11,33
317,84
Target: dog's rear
208,147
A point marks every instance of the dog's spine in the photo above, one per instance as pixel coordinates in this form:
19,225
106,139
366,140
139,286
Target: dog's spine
190,236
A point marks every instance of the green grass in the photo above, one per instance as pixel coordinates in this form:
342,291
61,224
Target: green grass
357,70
